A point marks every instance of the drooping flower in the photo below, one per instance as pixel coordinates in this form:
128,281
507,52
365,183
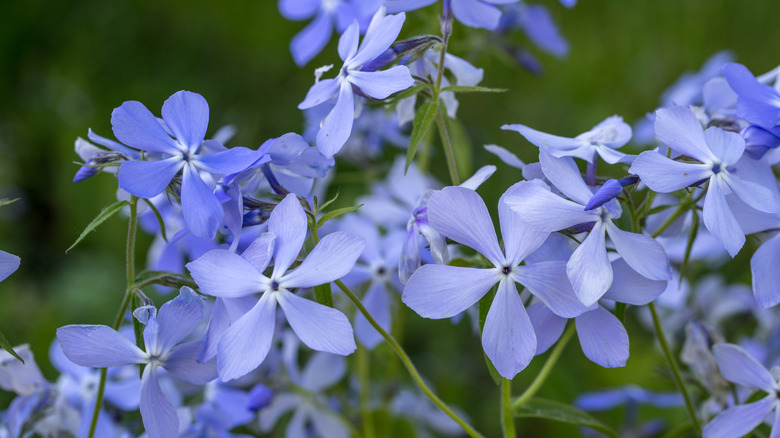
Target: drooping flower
337,125
222,273
442,291
101,346
186,115
718,153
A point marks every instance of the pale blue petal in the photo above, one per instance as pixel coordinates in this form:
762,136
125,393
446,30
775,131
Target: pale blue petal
323,371
738,366
547,326
548,282
630,287
225,274
9,263
474,13
158,415
520,238
437,244
202,212
312,39
440,291
288,223
508,337
187,115
642,253
664,175
757,102
348,42
337,126
383,83
394,6
465,74
328,424
381,33
260,251
603,338
505,156
565,176
280,405
223,314
147,179
98,346
719,220
739,420
378,307
233,160
320,327
588,268
247,341
135,126
678,128
461,215
178,317
726,146
543,140
479,177
765,273
319,93
183,362
298,9
753,194
542,209
410,256
332,258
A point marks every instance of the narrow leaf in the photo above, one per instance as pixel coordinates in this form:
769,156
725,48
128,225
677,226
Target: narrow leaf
324,295
409,92
659,209
159,218
336,213
163,278
422,122
464,89
691,238
7,347
328,202
6,201
106,213
562,412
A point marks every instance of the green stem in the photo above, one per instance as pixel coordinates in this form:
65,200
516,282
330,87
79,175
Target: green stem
130,271
675,369
365,401
506,409
682,208
448,152
399,351
546,368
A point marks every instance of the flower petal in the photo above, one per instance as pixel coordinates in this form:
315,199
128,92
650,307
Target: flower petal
726,146
178,317
320,327
588,268
319,93
158,415
247,341
738,366
323,371
337,126
630,287
378,307
678,128
474,13
641,252
441,291
543,209
348,42
147,179
520,238
664,175
260,251
225,274
381,33
9,263
547,326
548,282
135,126
603,338
381,84
765,273
288,224
183,362
332,258
739,420
309,42
187,114
565,176
98,346
754,194
508,337
233,160
202,212
719,220
461,215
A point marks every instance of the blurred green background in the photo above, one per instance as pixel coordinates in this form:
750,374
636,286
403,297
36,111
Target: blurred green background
67,64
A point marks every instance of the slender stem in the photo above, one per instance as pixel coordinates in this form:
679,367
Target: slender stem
399,351
365,402
546,368
448,152
682,208
130,271
507,418
675,369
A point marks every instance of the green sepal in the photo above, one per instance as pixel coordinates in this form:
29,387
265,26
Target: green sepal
464,89
336,213
159,218
422,122
6,201
7,347
324,295
561,412
106,213
484,306
163,278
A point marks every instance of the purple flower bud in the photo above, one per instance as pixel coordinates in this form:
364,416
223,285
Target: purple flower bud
259,397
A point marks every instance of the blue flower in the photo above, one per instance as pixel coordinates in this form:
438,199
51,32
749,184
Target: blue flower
757,103
186,115
337,125
100,346
9,263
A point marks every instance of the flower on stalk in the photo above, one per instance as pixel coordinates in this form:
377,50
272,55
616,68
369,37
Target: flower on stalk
245,343
186,115
337,125
101,346
442,291
718,153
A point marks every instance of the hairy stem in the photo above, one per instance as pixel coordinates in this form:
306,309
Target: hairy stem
130,272
546,368
399,351
675,369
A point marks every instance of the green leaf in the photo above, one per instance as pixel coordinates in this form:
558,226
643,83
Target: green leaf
562,412
106,213
335,213
6,201
422,122
324,295
659,209
163,278
461,145
464,89
7,346
484,306
328,202
159,218
409,92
